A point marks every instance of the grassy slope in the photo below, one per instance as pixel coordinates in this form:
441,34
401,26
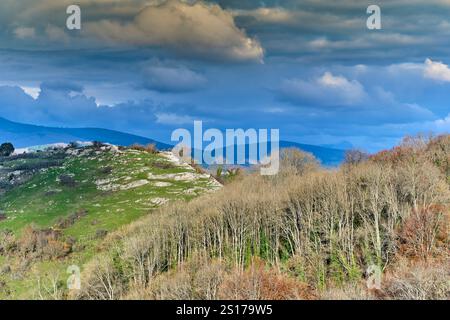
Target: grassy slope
42,200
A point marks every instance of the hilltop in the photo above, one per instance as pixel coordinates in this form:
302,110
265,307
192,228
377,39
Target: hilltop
63,201
24,135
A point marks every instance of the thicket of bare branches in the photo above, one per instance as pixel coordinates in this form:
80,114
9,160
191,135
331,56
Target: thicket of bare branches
314,229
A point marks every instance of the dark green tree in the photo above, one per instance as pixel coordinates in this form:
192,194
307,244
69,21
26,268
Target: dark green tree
6,149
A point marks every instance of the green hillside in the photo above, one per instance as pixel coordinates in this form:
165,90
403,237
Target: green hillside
77,196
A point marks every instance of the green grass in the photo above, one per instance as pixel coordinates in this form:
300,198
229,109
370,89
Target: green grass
43,200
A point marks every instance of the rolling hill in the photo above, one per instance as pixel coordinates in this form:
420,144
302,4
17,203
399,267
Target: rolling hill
71,198
25,135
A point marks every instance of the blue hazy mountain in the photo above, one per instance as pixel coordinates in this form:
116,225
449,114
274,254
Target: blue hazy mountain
25,135
329,157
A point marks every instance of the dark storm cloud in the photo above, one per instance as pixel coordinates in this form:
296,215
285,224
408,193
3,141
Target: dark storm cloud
325,77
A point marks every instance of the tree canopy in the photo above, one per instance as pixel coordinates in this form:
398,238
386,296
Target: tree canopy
6,149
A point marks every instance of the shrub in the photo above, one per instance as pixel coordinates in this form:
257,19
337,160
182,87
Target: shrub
137,147
8,242
150,148
419,282
97,145
67,180
424,232
438,151
101,280
106,170
293,160
229,175
42,243
64,223
259,283
163,165
100,234
350,291
355,156
6,149
171,286
198,279
323,226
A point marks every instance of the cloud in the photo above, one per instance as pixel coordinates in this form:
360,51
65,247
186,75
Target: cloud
436,71
56,105
303,39
56,34
173,119
354,97
32,91
276,15
173,79
442,125
326,90
24,32
63,86
201,30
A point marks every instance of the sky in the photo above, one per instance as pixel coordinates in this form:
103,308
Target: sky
310,68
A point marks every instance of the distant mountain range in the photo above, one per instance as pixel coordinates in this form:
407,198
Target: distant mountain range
25,135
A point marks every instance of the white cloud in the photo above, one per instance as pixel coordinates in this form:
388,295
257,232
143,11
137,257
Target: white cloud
443,125
32,91
199,29
24,32
436,71
325,90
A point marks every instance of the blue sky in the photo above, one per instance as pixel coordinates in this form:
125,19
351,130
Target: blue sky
310,68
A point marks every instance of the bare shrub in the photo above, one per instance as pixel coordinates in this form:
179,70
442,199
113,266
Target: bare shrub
323,227
425,232
171,286
137,147
350,291
296,161
438,151
259,283
419,282
42,243
355,156
101,280
64,223
8,242
150,148
50,286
